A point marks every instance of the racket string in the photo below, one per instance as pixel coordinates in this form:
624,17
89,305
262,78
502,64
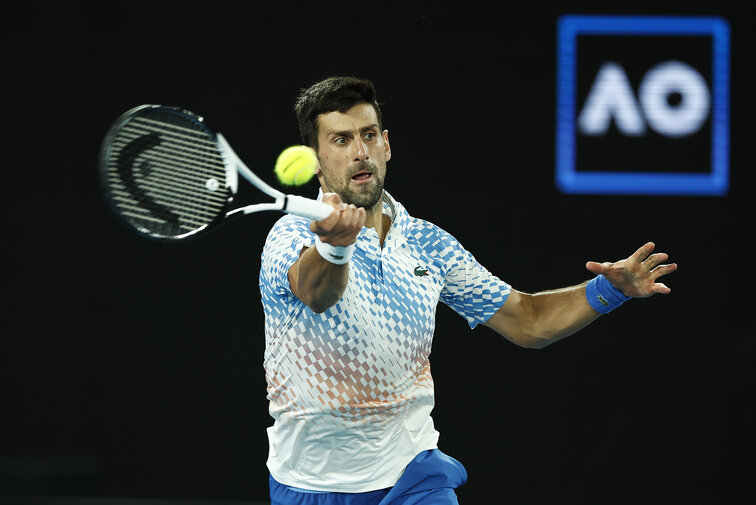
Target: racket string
167,170
191,147
167,179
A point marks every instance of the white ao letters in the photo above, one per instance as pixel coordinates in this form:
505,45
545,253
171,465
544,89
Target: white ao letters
611,97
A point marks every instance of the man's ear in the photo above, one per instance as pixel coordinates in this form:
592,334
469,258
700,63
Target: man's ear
386,145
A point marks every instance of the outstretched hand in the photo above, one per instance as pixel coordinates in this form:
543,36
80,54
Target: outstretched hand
636,275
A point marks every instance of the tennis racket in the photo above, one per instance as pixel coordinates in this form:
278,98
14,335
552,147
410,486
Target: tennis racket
169,176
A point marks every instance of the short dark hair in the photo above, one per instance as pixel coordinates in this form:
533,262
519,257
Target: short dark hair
329,95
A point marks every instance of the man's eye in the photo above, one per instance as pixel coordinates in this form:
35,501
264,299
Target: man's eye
340,140
370,135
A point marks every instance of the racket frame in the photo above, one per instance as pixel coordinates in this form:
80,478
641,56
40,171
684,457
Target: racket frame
234,166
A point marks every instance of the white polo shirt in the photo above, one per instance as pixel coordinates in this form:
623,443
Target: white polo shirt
350,389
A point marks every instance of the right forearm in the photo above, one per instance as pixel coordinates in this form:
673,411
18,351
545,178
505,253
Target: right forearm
318,283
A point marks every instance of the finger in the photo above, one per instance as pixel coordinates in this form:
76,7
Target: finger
327,224
643,252
332,199
360,218
597,268
663,270
347,228
655,259
660,288
352,212
332,218
351,216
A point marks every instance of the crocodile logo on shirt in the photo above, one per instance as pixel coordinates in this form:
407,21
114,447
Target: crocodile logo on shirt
421,272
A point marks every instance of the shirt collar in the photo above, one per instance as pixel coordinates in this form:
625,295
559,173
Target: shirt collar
394,210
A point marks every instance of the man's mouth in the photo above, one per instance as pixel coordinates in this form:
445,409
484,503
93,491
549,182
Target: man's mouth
362,176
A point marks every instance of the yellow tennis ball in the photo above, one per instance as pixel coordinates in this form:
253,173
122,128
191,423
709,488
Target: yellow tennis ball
296,165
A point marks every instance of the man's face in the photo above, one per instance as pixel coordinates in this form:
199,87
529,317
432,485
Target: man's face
353,153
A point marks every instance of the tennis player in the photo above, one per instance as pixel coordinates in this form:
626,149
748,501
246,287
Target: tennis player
350,304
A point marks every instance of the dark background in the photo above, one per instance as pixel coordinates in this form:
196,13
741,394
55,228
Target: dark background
134,369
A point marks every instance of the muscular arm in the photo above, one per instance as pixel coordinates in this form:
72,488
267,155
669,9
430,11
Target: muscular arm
318,283
537,320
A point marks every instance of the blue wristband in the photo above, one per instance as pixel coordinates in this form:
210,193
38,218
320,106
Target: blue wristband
602,296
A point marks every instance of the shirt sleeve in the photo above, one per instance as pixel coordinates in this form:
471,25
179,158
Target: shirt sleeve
470,289
282,248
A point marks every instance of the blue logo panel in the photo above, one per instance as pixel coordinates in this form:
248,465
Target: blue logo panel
710,177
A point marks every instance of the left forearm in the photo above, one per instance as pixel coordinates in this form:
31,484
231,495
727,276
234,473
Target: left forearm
537,320
559,314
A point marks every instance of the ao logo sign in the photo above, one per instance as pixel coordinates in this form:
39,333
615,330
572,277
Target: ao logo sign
612,97
651,115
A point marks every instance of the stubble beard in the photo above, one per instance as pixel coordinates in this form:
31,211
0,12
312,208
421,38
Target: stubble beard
367,198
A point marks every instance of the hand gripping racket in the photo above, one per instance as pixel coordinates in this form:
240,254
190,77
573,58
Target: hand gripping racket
169,176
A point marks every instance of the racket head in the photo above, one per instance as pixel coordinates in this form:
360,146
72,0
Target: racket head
163,173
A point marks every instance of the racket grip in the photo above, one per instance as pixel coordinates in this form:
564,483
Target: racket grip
305,207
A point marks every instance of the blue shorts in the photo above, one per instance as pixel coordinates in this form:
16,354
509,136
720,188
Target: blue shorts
430,479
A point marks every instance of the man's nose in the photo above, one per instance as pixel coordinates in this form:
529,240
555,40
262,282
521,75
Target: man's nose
360,153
